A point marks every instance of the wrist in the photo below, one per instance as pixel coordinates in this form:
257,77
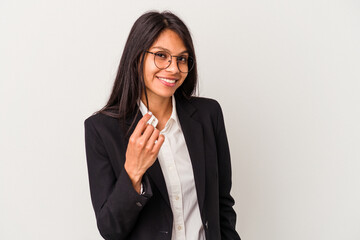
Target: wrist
135,178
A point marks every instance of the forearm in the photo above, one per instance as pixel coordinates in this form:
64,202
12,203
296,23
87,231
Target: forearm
118,215
116,203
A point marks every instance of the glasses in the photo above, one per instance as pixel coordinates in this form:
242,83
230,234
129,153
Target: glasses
163,59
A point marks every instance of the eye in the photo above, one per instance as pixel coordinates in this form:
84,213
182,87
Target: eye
161,55
182,59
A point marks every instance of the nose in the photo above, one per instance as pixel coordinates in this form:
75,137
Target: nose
173,66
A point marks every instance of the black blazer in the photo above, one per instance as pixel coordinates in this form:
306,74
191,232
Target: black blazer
122,213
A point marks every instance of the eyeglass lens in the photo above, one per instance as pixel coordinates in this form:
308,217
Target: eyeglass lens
163,60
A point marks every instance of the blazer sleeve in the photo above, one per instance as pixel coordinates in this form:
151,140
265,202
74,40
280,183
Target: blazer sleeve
116,203
227,213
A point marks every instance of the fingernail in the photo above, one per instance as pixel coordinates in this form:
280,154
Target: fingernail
150,113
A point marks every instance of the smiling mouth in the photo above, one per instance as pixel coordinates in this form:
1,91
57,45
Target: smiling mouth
171,81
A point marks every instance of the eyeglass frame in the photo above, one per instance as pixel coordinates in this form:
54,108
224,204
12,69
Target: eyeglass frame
177,63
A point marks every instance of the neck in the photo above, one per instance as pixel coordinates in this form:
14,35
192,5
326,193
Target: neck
160,107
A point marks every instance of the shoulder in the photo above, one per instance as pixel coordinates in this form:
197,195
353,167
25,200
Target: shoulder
204,102
206,105
96,119
100,121
203,109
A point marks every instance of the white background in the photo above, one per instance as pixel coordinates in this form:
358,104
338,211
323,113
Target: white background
285,72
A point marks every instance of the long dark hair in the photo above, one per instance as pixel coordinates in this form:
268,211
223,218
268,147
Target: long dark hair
129,82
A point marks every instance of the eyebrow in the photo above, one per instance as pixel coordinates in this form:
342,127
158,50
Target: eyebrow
185,51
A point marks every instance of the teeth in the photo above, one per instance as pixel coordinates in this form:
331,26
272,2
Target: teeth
167,80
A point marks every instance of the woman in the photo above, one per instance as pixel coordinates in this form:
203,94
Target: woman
158,157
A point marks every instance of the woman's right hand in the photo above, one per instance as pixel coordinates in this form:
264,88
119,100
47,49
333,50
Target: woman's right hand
142,150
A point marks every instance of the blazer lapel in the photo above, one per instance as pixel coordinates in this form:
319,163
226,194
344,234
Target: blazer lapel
193,134
154,172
